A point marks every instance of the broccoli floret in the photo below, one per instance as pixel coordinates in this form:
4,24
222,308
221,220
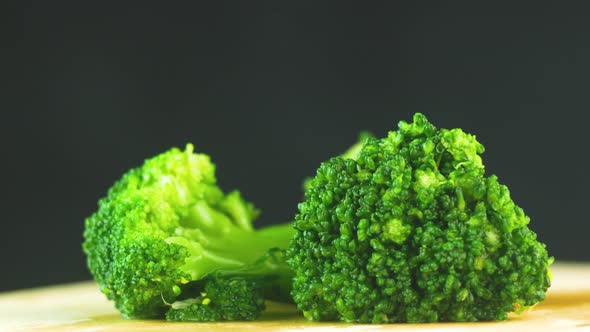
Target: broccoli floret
411,230
166,226
222,299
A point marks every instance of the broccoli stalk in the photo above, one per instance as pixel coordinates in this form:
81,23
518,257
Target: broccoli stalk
409,229
167,232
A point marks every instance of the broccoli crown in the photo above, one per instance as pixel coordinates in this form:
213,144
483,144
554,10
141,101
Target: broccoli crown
222,300
166,225
411,230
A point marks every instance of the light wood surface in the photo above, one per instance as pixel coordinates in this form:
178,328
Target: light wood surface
81,307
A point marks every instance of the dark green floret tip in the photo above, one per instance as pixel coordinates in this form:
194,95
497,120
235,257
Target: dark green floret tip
411,229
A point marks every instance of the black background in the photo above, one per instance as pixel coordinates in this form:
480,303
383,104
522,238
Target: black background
269,90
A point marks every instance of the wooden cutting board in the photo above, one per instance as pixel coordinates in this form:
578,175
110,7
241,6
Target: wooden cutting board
81,307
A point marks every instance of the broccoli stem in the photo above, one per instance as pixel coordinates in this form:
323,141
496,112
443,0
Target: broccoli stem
282,234
229,252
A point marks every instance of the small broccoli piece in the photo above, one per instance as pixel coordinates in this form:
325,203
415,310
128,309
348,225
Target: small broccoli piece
411,230
166,226
223,299
236,296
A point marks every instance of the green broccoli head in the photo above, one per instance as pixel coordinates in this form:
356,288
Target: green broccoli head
167,225
411,230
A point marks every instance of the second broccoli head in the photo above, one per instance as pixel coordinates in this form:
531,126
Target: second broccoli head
411,230
167,239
